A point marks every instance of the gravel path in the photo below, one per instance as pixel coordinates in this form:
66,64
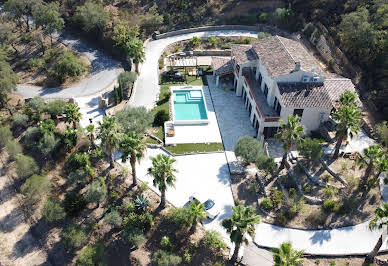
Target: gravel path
104,71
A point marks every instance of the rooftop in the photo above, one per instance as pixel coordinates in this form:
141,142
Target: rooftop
222,65
242,53
279,55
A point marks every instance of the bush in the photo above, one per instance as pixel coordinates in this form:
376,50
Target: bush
96,191
47,144
382,131
213,240
307,189
266,163
35,188
195,42
160,117
78,160
141,203
263,18
52,210
126,81
331,205
136,119
281,219
113,218
134,236
276,197
330,191
74,237
248,148
165,243
267,204
25,166
311,149
294,205
163,258
179,216
143,221
213,41
69,65
317,218
56,107
77,177
69,139
13,149
5,136
74,204
20,121
92,255
35,63
37,104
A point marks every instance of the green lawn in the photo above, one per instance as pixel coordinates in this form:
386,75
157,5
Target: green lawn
195,147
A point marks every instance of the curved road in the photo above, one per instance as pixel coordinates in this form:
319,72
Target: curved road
104,71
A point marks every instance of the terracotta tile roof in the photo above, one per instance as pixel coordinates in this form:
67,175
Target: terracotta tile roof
279,55
304,95
243,53
222,65
309,95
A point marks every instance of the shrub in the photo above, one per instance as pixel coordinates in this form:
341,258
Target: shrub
35,188
5,136
331,205
266,163
13,149
96,191
69,138
32,135
92,255
317,218
113,218
307,189
281,219
382,131
68,65
143,221
213,240
160,117
126,81
74,204
20,121
127,205
77,177
311,149
163,258
294,206
25,166
263,18
213,41
179,216
55,108
74,237
52,210
141,203
165,243
267,204
248,148
47,144
134,236
276,197
187,257
78,160
37,104
330,191
35,63
136,119
195,42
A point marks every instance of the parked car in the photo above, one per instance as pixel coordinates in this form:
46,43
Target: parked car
211,208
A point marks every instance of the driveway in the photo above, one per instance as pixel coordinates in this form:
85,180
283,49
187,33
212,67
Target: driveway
148,88
104,71
205,174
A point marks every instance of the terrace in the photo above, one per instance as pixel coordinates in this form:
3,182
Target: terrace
263,109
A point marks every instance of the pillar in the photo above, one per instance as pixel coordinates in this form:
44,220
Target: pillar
217,80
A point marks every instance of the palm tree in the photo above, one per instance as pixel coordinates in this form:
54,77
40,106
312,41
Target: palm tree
90,130
132,145
197,211
135,51
73,114
290,134
381,166
370,159
285,255
348,118
242,222
379,222
108,132
163,173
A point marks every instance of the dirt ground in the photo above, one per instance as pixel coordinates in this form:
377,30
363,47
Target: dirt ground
356,206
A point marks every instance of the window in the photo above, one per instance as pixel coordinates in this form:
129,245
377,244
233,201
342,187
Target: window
298,112
265,90
260,78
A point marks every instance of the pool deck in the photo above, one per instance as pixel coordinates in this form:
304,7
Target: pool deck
204,133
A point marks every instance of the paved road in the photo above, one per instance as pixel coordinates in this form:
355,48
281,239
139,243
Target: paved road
104,71
147,88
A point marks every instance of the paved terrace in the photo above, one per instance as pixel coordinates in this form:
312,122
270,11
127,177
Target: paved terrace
258,94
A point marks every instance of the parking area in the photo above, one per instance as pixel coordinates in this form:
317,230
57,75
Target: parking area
204,174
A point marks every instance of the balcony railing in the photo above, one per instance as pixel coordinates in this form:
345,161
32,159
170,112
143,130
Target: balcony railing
259,111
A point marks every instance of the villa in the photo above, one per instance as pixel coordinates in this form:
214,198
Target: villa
276,77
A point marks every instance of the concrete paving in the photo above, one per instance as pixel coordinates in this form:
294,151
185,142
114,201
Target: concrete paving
253,255
147,89
104,71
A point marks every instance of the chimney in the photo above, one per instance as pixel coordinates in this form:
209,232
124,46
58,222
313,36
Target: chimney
297,66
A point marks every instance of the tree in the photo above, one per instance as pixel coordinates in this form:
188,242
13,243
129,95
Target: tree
47,145
25,166
197,211
92,255
136,52
35,188
21,10
311,149
290,135
7,37
152,20
13,149
108,132
90,130
73,114
92,17
126,81
132,145
248,149
74,237
379,222
123,34
5,136
134,119
242,222
55,108
348,118
48,17
52,210
8,81
381,166
285,255
382,131
267,164
96,191
68,65
163,173
372,155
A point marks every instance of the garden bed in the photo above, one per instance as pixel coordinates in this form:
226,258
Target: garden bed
195,148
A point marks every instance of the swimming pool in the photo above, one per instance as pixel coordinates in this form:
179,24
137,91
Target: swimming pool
189,106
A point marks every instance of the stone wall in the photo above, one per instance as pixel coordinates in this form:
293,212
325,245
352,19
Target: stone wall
212,52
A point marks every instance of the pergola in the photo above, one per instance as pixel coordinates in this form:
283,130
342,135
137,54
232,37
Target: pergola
222,66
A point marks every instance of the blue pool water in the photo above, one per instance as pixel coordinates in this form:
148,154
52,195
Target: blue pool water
189,105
